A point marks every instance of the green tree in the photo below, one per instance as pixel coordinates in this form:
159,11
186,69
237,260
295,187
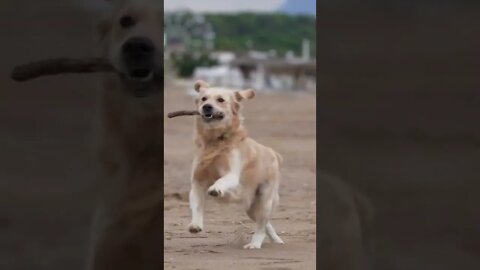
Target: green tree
270,31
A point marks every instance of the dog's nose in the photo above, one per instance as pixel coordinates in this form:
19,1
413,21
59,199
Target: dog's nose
207,108
138,46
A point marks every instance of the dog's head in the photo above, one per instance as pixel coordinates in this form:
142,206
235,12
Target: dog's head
132,39
219,107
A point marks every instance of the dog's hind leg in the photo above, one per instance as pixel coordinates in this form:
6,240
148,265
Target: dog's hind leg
273,235
260,231
274,238
260,211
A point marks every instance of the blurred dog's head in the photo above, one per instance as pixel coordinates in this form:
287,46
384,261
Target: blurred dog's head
132,39
220,107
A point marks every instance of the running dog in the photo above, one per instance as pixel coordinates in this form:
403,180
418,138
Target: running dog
229,165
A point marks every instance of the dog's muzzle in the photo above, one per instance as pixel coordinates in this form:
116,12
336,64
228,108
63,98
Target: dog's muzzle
209,114
139,57
141,66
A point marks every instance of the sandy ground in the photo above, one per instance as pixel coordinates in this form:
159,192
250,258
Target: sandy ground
285,122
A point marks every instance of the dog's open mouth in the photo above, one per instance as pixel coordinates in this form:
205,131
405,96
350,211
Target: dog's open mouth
209,117
141,81
141,75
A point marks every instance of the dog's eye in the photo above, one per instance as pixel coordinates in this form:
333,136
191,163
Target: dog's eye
204,98
127,21
221,100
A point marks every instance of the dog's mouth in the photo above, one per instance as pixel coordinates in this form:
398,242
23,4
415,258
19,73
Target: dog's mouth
210,117
143,81
141,75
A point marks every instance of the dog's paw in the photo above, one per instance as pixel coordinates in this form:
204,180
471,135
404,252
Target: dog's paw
252,246
194,228
215,191
278,241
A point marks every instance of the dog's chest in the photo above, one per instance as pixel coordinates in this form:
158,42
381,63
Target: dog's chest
209,169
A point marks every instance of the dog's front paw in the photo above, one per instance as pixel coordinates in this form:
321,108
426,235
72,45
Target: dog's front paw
214,191
252,245
194,228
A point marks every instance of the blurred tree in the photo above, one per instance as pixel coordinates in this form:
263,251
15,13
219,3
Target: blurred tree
272,31
186,63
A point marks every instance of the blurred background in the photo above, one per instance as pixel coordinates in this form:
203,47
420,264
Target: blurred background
398,106
269,46
265,45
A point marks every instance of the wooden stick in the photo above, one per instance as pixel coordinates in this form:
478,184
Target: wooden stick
58,66
182,113
186,112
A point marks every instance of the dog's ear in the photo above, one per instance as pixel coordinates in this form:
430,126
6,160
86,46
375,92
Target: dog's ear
199,85
244,95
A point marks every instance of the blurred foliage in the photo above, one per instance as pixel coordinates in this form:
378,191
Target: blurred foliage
186,63
270,31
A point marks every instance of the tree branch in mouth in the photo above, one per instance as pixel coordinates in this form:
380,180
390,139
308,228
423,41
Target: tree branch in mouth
182,113
192,112
56,66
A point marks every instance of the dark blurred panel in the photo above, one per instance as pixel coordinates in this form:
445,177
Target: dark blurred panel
399,108
45,138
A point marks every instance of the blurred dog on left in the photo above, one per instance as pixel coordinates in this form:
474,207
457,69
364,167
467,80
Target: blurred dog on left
126,230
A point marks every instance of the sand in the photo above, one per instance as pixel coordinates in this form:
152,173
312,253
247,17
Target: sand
284,121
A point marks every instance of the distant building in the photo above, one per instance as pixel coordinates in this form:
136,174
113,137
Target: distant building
223,57
260,70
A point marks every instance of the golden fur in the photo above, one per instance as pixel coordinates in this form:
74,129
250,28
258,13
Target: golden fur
231,166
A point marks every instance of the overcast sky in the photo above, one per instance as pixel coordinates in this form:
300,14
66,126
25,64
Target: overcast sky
224,5
203,5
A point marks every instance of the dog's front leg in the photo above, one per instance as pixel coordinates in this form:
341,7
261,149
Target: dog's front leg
197,205
227,184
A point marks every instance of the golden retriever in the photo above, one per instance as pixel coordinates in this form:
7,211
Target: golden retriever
229,165
126,230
